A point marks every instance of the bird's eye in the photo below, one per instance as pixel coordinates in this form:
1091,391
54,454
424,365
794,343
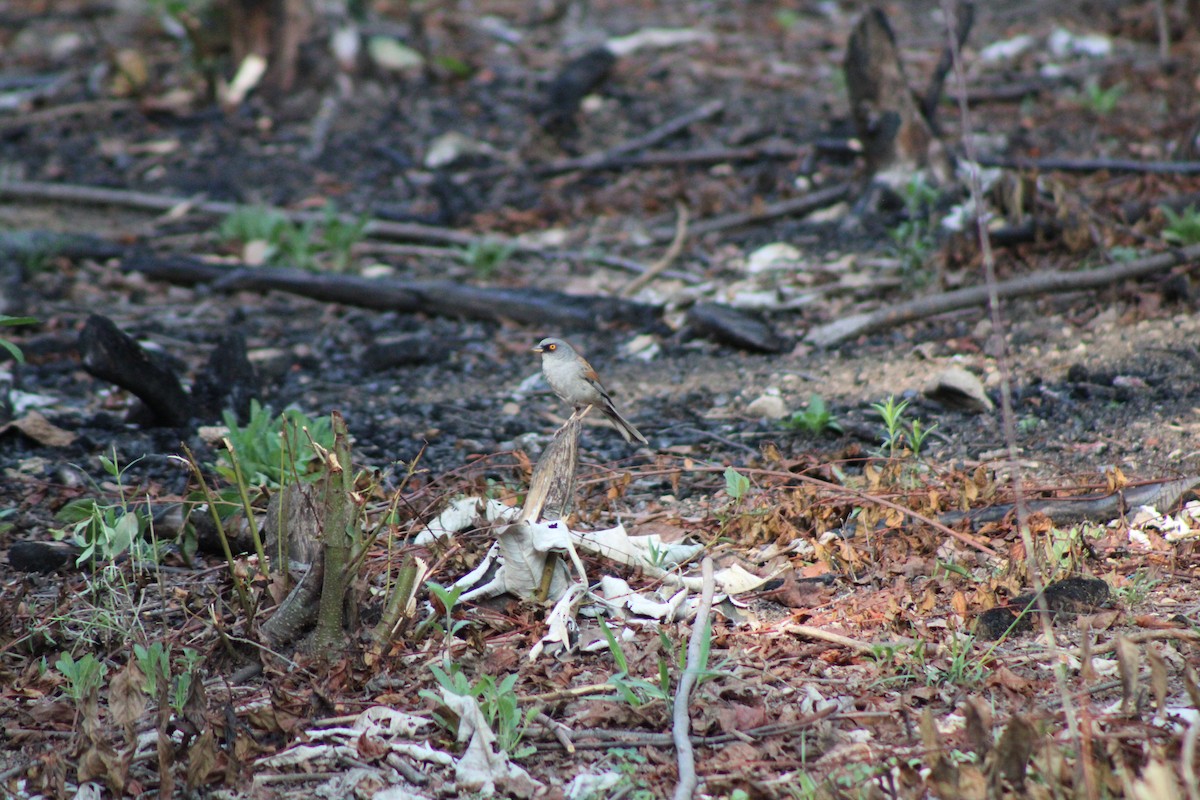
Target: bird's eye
551,347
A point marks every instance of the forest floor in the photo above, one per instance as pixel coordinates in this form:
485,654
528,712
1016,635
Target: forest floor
858,669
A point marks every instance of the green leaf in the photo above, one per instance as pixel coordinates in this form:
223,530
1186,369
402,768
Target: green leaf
736,484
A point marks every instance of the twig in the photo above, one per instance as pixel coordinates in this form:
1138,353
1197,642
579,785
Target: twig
655,269
965,538
96,195
654,136
322,126
1179,634
845,641
965,18
384,229
1094,165
1187,760
681,721
796,205
561,732
605,739
1049,282
33,118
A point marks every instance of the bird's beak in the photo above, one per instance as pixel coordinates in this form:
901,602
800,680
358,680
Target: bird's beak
537,349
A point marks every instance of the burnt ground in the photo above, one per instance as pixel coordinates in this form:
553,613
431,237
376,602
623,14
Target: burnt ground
1101,380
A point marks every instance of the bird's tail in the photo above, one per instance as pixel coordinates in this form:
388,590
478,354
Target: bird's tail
623,426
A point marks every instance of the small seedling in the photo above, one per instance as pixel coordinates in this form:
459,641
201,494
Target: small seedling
736,485
155,664
448,597
814,419
913,237
84,677
106,531
486,257
498,702
11,322
289,244
896,433
1183,227
1102,102
273,449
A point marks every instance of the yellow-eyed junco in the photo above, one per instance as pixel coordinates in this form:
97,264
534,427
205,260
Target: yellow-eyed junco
573,379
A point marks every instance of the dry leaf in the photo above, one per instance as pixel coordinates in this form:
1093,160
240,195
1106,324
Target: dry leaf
41,430
1014,750
1127,664
127,699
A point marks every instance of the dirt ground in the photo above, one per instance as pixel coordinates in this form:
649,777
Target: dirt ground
1105,385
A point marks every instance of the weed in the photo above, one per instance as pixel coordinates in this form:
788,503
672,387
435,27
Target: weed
638,692
1102,102
498,702
11,322
1183,227
1136,589
786,18
628,762
913,237
106,531
485,257
84,677
255,224
962,669
448,597
296,245
634,691
815,419
155,663
736,485
271,449
896,433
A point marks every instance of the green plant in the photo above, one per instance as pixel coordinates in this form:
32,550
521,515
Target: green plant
338,237
1136,588
84,677
255,224
448,626
1183,227
896,433
1099,101
892,414
155,664
961,668
296,245
634,691
815,419
628,762
497,701
271,449
736,484
913,237
486,256
105,531
11,322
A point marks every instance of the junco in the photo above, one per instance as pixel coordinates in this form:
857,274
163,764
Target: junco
573,379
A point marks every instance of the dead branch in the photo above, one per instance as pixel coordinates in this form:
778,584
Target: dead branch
964,18
111,355
658,267
1050,282
809,632
1094,165
604,159
681,721
798,206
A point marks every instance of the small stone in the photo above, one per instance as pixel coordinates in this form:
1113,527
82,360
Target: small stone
770,406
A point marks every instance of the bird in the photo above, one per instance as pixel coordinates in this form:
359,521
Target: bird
573,379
